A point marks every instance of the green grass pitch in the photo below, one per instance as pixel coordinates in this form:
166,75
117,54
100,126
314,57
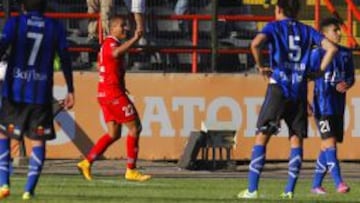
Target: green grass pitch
71,188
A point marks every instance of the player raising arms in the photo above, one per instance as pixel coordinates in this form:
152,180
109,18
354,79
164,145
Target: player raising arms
329,105
290,43
27,90
114,101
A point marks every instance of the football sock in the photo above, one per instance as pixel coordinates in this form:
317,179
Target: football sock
333,165
132,146
294,168
320,170
255,167
4,161
98,149
35,165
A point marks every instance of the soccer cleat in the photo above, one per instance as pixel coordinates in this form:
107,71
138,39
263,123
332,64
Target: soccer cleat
135,175
4,191
26,196
343,188
318,191
246,194
287,195
85,169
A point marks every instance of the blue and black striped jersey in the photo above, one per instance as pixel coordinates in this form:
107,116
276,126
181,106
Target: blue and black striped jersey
327,100
34,41
290,43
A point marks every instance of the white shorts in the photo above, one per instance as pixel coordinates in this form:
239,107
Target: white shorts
135,6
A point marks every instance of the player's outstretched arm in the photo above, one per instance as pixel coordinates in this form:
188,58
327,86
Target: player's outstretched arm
331,50
126,45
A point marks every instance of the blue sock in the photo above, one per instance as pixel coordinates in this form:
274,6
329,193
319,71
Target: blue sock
35,165
333,165
255,167
4,161
320,170
294,168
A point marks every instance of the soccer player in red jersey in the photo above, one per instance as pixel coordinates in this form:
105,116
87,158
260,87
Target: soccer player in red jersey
116,106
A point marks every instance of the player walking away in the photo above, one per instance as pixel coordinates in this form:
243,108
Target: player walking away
115,104
329,105
27,90
290,45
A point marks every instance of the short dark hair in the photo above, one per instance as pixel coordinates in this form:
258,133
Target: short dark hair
116,17
291,7
329,21
35,5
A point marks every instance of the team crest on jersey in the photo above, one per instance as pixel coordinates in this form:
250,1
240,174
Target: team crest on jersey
113,45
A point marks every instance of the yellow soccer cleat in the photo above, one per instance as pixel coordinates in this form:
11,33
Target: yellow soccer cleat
85,169
246,194
287,195
26,196
4,191
135,175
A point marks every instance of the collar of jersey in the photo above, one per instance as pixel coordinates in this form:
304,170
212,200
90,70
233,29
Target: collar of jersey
112,37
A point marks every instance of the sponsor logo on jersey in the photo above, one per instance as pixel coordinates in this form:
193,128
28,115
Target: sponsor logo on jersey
29,75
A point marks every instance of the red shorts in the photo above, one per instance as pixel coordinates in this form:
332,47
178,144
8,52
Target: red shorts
120,110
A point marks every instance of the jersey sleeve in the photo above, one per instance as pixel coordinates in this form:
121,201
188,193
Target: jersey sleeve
62,49
316,37
315,59
268,30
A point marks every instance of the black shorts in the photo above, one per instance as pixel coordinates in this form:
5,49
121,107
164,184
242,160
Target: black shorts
276,107
33,120
331,126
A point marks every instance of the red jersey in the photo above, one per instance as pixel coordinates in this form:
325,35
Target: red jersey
111,71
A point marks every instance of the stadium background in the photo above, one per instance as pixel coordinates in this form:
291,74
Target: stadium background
177,84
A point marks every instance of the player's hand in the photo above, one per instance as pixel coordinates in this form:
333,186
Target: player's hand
342,87
69,101
138,34
265,71
140,31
